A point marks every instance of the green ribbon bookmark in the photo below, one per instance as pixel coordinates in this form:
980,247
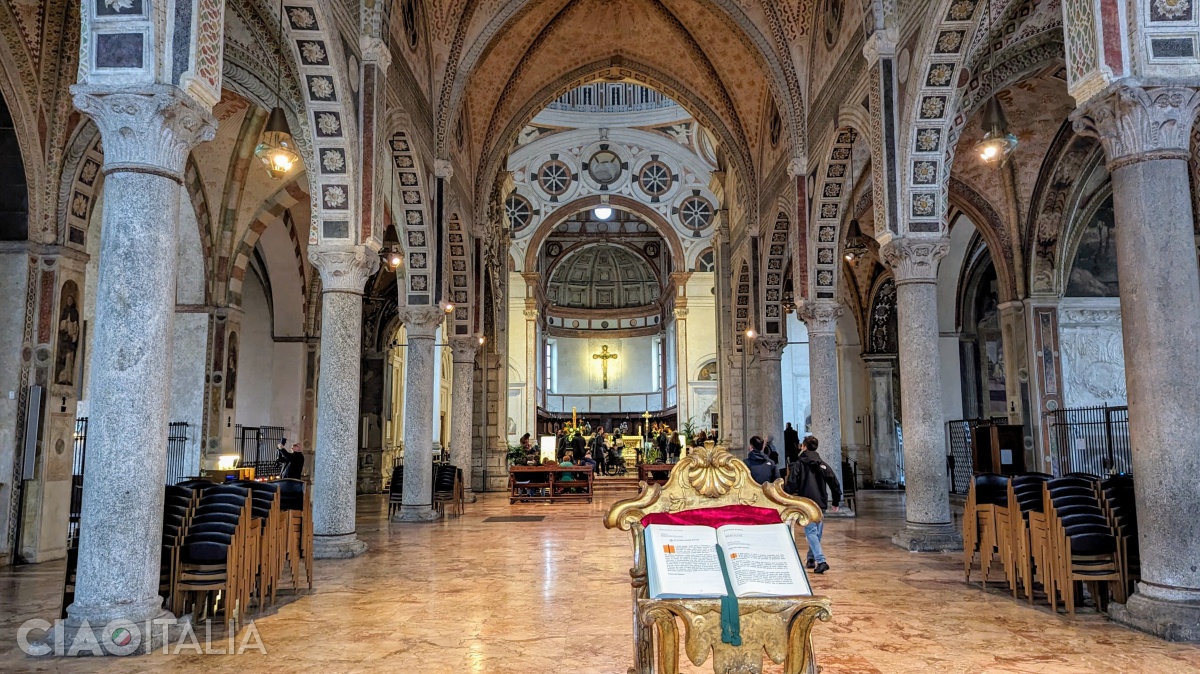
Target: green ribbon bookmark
731,623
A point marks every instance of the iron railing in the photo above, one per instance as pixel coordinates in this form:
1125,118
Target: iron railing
259,448
1091,440
79,454
177,437
959,463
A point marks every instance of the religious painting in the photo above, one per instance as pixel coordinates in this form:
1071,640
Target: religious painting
231,365
68,335
1094,271
832,12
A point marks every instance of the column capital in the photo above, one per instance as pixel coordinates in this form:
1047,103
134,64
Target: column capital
820,316
1136,122
681,313
770,347
914,260
344,270
149,129
881,43
442,168
375,52
422,321
798,167
463,349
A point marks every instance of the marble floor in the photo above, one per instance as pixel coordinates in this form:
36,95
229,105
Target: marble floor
466,595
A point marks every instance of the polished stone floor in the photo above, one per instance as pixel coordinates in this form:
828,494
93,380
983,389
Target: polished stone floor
466,595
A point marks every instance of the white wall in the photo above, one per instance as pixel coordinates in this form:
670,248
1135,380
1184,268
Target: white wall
630,372
797,394
701,344
189,356
256,357
949,273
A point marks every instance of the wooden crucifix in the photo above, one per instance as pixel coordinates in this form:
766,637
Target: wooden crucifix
604,356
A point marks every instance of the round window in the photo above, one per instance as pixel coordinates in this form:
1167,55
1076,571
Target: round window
519,211
555,177
696,213
604,167
655,178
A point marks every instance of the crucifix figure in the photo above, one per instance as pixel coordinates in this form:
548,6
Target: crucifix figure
604,356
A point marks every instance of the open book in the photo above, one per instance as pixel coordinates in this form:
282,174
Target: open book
761,560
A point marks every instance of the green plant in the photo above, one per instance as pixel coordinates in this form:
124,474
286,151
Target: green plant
650,454
516,455
689,431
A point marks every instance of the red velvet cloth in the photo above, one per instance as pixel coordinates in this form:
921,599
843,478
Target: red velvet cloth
716,517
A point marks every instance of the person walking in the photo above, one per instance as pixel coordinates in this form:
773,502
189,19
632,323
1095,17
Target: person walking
810,477
762,468
791,444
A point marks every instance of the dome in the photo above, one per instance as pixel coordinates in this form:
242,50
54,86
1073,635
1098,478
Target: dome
603,276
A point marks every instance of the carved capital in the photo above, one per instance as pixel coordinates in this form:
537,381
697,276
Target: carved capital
422,321
375,51
463,348
344,270
798,167
442,168
914,260
820,316
149,129
531,314
770,347
881,44
681,313
1140,123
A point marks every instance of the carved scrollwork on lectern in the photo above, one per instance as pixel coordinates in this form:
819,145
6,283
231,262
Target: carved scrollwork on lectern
777,627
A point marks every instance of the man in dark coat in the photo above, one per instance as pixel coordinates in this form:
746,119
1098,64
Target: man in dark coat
762,468
791,444
809,477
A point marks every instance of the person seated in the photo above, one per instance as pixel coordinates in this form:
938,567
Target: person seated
762,468
587,460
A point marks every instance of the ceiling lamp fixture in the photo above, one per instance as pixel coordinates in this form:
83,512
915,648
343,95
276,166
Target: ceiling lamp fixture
391,256
855,248
998,142
276,148
603,212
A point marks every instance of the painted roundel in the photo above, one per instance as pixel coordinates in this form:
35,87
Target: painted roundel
554,177
655,178
604,167
695,213
519,211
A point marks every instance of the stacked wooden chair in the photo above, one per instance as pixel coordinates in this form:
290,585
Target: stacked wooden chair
985,518
1024,529
396,490
448,488
295,503
1081,541
1117,499
215,558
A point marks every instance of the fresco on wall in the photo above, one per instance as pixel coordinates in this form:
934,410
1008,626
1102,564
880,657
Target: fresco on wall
1094,270
68,335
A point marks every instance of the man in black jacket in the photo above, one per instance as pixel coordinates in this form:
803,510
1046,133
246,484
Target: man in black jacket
762,468
791,444
809,477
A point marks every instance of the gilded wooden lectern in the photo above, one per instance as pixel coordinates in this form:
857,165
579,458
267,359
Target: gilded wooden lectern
778,627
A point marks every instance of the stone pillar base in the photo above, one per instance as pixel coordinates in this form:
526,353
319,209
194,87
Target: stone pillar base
1152,610
840,513
416,514
928,538
469,496
345,546
77,637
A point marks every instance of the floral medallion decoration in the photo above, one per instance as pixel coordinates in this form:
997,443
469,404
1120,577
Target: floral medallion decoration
88,175
961,10
313,53
949,42
408,179
420,282
333,160
940,75
839,154
836,171
924,172
825,278
832,190
329,124
923,205
928,140
417,260
829,211
320,87
416,239
825,256
414,218
932,107
412,197
302,18
825,234
334,196
1171,10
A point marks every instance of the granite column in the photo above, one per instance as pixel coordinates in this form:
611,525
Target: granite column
147,137
821,317
421,325
929,525
768,390
462,350
1146,132
344,272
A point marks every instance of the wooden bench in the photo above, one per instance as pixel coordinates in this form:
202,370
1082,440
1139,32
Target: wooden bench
546,483
655,473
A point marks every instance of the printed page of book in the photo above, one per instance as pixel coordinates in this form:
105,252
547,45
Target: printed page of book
763,561
682,562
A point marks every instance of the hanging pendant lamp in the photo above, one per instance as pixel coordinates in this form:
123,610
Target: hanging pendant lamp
276,149
998,141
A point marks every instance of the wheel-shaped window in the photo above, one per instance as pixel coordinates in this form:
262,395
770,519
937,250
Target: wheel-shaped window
695,213
655,178
519,211
555,177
